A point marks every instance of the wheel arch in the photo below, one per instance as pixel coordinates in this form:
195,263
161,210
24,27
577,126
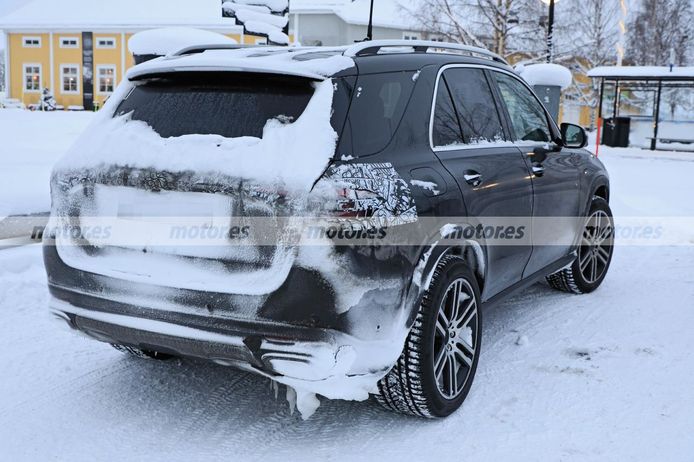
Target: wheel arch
599,187
472,252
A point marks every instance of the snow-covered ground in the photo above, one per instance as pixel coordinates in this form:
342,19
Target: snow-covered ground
605,376
30,143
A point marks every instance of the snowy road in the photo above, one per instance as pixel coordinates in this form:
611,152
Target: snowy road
30,143
606,376
602,376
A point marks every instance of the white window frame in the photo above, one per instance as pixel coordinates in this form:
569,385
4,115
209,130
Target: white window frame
32,38
63,41
410,36
62,76
111,46
98,78
24,77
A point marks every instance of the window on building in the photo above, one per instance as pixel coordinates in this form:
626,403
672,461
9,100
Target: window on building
410,36
31,42
69,77
436,39
106,79
69,42
32,77
106,42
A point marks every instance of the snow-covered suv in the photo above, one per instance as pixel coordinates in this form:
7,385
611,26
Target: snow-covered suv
332,218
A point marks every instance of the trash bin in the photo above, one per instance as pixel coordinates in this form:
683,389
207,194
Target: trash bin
615,132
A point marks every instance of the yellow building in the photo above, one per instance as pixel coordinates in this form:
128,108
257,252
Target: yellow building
79,48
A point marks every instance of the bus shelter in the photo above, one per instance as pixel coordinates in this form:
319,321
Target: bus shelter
654,79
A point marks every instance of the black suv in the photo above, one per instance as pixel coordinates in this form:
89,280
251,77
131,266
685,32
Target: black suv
445,187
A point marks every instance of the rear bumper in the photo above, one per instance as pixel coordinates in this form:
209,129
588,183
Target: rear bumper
296,335
300,354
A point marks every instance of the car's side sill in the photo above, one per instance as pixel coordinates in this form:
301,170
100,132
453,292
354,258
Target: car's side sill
530,280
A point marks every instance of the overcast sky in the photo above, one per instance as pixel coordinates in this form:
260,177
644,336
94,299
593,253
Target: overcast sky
8,5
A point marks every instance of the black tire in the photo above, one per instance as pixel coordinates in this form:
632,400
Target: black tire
412,386
140,353
594,253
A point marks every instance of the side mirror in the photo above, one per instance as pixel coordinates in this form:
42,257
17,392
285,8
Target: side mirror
573,136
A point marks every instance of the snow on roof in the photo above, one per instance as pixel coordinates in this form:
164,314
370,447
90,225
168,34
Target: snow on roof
546,74
310,62
276,6
78,14
171,39
387,13
643,72
261,19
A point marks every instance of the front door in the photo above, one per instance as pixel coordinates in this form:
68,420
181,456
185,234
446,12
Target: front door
469,139
554,170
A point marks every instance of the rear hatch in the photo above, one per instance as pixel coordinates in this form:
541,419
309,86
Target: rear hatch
168,210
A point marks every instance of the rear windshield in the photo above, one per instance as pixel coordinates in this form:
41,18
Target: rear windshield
230,105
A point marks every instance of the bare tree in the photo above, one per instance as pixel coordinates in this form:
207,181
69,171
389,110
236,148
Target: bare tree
446,19
658,29
593,42
2,70
595,31
491,23
502,16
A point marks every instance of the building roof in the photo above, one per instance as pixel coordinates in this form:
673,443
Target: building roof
206,14
387,13
118,14
642,73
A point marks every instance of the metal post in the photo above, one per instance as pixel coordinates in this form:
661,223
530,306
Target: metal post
550,27
600,99
370,27
616,99
656,117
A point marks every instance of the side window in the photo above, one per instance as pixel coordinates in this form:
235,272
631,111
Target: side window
474,103
446,129
527,115
378,104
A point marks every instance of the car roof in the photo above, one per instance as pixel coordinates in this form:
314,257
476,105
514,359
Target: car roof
318,63
393,62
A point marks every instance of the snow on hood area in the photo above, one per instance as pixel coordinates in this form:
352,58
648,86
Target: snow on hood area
546,74
292,155
171,39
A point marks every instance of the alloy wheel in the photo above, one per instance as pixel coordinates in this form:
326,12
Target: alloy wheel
455,338
596,246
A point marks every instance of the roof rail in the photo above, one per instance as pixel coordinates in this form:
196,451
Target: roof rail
420,46
201,48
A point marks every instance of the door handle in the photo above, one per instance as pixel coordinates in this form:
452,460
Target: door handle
472,177
538,169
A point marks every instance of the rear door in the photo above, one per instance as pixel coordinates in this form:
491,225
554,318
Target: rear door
468,137
555,172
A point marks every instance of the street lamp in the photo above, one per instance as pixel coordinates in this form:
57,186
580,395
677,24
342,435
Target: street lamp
550,27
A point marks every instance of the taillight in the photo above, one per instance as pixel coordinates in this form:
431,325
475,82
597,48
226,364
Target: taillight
355,203
371,191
